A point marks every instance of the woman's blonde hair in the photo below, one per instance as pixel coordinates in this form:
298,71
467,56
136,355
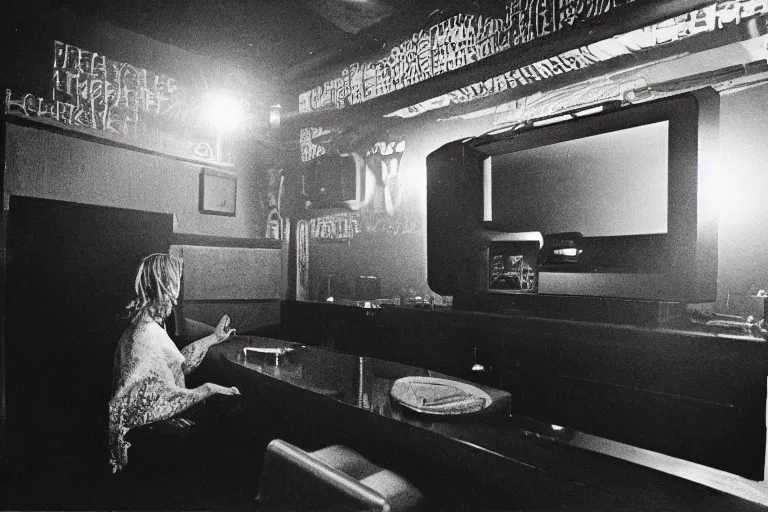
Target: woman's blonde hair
157,286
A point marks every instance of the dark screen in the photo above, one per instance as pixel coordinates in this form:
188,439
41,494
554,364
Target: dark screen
604,185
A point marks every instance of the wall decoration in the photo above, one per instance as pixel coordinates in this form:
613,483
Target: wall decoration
382,162
335,227
543,104
310,150
451,44
302,260
118,101
203,150
92,91
593,92
572,60
271,196
602,90
381,211
274,229
707,19
400,223
218,192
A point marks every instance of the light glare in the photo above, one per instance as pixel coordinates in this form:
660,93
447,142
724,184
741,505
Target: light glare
223,111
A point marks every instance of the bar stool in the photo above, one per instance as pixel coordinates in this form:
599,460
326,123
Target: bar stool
333,478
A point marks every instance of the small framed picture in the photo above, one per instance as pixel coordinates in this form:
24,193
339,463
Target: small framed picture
513,267
218,192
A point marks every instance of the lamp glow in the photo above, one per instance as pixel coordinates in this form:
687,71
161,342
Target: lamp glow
589,111
274,116
223,111
552,120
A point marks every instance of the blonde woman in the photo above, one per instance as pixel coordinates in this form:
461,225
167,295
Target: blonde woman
149,370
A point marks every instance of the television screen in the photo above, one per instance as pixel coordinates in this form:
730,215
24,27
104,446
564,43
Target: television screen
331,179
610,184
513,266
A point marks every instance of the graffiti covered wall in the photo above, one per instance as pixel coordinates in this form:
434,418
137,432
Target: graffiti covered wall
385,236
701,21
97,114
399,258
382,210
448,45
123,102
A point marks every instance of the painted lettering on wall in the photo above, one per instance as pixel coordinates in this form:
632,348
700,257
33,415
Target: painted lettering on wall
707,19
344,226
451,44
310,150
335,227
571,60
93,92
108,95
90,90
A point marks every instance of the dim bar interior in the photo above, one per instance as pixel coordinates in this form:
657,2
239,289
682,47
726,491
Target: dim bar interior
477,255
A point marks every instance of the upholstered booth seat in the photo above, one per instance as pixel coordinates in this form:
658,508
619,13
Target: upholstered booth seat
333,478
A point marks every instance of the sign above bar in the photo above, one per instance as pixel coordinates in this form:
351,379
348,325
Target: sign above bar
451,44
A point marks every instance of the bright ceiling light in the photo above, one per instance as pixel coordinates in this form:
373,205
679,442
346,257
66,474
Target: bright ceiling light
552,120
223,111
589,111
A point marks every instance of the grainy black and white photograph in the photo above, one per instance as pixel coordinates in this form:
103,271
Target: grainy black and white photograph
384,255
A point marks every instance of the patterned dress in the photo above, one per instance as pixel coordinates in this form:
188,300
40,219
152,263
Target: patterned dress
149,382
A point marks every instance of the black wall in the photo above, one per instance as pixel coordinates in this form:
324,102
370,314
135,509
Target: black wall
70,275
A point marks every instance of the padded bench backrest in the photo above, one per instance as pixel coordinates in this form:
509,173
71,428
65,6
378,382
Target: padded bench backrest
245,283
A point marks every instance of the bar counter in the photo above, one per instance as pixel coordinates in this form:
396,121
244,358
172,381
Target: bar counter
328,396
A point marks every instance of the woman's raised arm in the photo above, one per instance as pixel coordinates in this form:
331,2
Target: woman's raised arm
195,352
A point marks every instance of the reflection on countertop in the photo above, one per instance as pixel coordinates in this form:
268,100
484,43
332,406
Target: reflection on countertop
433,303
362,382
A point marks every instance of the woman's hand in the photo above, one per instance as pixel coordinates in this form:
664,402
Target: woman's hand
215,388
223,330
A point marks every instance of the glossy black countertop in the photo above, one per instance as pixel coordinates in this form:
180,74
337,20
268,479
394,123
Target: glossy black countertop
364,383
690,324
